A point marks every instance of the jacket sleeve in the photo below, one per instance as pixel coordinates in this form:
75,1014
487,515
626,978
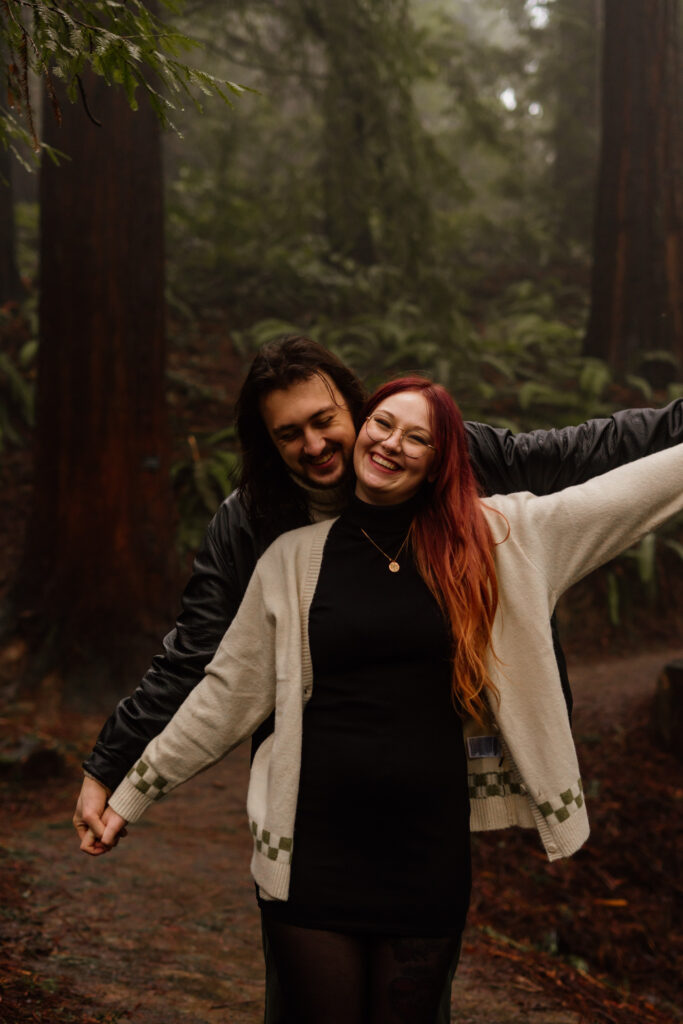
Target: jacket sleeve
220,575
568,535
546,461
234,697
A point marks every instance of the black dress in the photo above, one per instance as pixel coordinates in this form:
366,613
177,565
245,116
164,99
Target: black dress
381,838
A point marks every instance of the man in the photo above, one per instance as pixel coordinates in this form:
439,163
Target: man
297,416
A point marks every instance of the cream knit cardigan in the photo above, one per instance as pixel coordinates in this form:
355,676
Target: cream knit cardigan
543,545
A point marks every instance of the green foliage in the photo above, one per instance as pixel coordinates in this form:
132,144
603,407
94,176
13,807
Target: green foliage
564,62
381,168
528,370
201,481
521,369
26,228
374,344
123,42
328,180
375,159
638,573
16,394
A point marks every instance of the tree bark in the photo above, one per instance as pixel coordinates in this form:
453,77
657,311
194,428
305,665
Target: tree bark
99,548
637,283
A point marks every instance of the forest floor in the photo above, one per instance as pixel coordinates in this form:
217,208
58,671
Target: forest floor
164,930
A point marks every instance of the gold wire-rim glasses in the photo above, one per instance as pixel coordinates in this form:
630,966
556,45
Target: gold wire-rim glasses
417,446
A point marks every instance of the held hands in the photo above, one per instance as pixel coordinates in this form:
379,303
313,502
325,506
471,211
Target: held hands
99,828
114,829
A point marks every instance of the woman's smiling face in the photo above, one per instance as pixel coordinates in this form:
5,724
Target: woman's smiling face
385,475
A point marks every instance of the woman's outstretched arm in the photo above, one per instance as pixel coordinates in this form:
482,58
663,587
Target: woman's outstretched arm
567,535
234,697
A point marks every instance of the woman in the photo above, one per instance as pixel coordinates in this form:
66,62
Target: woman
421,616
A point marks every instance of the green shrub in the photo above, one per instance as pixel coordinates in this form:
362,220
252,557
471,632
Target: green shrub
201,481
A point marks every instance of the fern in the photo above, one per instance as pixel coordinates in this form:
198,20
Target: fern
16,396
201,481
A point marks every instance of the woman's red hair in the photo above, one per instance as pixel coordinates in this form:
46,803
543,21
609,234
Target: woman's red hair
453,545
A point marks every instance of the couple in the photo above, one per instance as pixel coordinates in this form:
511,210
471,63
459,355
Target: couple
406,650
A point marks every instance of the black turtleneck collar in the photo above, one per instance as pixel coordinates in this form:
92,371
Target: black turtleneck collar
383,519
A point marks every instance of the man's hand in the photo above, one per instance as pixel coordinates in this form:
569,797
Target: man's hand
90,817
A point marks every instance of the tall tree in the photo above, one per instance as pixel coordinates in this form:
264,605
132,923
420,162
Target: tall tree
637,284
99,542
571,75
373,148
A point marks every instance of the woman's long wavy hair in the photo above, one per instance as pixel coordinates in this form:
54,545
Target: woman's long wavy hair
453,546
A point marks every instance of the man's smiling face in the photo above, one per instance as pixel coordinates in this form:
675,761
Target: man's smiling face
312,429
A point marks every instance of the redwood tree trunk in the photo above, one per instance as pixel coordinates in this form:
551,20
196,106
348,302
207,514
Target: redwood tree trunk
98,552
637,286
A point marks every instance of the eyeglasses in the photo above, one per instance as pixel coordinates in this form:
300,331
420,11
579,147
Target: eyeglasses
413,445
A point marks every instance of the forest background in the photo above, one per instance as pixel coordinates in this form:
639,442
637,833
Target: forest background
490,193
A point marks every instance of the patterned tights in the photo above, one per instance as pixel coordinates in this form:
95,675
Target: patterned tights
336,978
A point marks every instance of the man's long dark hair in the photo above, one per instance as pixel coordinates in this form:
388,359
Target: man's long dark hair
273,501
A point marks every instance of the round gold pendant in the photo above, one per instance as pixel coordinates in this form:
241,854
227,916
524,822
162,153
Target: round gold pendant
394,566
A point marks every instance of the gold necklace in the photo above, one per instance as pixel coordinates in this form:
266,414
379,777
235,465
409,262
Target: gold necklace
393,562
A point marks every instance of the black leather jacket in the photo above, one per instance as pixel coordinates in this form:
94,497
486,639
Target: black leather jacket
541,462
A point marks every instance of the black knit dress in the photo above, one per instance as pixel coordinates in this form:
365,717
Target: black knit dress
381,838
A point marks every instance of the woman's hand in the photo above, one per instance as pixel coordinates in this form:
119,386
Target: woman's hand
114,828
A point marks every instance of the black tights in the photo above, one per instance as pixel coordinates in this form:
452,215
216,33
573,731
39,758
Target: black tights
338,978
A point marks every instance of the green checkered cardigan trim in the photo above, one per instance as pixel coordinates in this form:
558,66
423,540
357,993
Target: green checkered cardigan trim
569,801
147,781
503,783
271,846
483,784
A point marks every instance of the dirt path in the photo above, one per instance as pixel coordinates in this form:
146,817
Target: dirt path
164,930
607,690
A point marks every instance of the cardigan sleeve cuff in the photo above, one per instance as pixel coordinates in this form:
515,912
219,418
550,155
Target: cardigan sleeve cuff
128,801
